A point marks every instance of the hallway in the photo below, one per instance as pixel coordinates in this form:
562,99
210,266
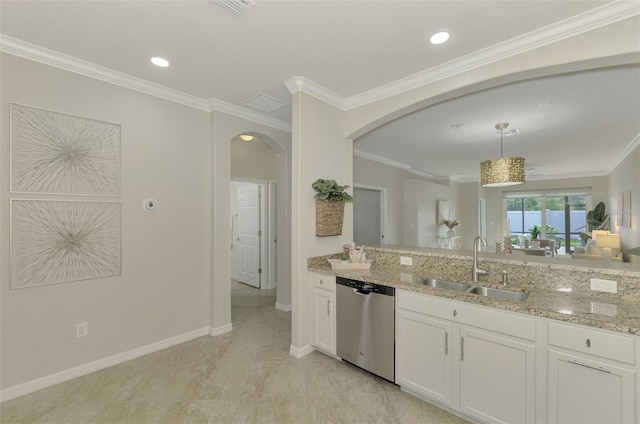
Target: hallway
246,376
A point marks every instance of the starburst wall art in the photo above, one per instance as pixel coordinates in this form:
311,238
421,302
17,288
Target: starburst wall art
56,153
60,241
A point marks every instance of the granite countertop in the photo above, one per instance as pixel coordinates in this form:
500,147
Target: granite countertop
595,309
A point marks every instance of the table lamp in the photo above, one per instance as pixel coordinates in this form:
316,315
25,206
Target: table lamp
608,242
596,233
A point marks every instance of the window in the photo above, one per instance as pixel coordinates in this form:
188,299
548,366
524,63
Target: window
560,217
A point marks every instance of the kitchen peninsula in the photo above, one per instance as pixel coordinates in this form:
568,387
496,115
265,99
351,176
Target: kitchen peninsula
564,354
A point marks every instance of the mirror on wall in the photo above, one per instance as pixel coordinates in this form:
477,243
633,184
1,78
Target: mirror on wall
574,131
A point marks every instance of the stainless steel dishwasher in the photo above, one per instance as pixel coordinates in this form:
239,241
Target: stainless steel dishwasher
365,320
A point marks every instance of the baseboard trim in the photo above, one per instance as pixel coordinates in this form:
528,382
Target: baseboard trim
71,373
282,307
216,331
300,352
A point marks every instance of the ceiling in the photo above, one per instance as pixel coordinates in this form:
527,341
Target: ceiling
352,49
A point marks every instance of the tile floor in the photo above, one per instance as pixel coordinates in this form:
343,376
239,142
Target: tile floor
246,376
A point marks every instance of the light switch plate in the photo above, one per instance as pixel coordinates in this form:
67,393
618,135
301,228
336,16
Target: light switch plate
609,286
406,260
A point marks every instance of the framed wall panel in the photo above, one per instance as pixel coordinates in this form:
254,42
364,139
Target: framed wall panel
57,241
56,153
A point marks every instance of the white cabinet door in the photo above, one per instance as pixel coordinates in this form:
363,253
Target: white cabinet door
497,377
582,390
423,355
323,320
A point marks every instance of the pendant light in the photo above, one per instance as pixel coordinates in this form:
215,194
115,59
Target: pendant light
504,171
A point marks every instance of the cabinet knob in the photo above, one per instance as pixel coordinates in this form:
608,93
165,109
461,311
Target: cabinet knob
455,313
588,342
321,282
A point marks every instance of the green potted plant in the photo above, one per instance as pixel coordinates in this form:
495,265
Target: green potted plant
535,231
597,219
330,200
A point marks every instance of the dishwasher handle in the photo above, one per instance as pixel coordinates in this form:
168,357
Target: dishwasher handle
361,292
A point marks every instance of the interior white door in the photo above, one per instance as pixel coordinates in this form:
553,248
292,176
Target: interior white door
249,232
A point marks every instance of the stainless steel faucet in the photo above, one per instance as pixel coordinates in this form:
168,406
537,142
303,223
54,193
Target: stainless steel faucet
477,271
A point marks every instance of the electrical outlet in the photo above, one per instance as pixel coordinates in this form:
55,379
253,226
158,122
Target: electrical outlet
604,309
406,260
406,278
609,286
82,329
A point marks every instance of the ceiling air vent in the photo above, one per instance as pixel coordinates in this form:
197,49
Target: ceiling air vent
237,8
264,103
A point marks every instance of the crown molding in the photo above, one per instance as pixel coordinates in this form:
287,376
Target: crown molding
625,152
588,21
379,159
311,88
593,19
69,63
49,57
398,165
240,112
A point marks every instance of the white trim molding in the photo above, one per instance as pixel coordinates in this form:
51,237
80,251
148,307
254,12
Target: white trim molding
72,64
71,373
223,329
49,57
399,165
593,19
626,152
282,307
313,89
249,115
300,352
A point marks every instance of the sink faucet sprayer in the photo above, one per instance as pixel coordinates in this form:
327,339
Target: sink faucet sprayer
477,271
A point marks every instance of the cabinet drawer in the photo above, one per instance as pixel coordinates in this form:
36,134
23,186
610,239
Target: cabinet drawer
614,346
323,281
425,304
510,323
479,316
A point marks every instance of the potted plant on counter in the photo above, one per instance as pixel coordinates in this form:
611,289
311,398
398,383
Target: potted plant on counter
330,200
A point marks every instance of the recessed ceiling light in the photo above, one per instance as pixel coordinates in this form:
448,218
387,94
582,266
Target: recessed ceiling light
246,137
158,61
458,127
439,37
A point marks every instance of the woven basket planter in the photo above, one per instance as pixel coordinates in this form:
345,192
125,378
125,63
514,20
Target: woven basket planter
329,217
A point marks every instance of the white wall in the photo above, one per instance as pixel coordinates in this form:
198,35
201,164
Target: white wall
468,208
420,211
626,177
164,286
319,150
252,160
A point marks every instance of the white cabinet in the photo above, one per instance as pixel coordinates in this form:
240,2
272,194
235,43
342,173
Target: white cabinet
424,355
493,353
323,318
591,377
497,377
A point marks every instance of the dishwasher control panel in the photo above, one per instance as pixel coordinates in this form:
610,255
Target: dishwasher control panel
364,287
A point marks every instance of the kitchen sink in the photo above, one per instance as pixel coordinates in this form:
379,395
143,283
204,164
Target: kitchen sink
444,284
498,293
